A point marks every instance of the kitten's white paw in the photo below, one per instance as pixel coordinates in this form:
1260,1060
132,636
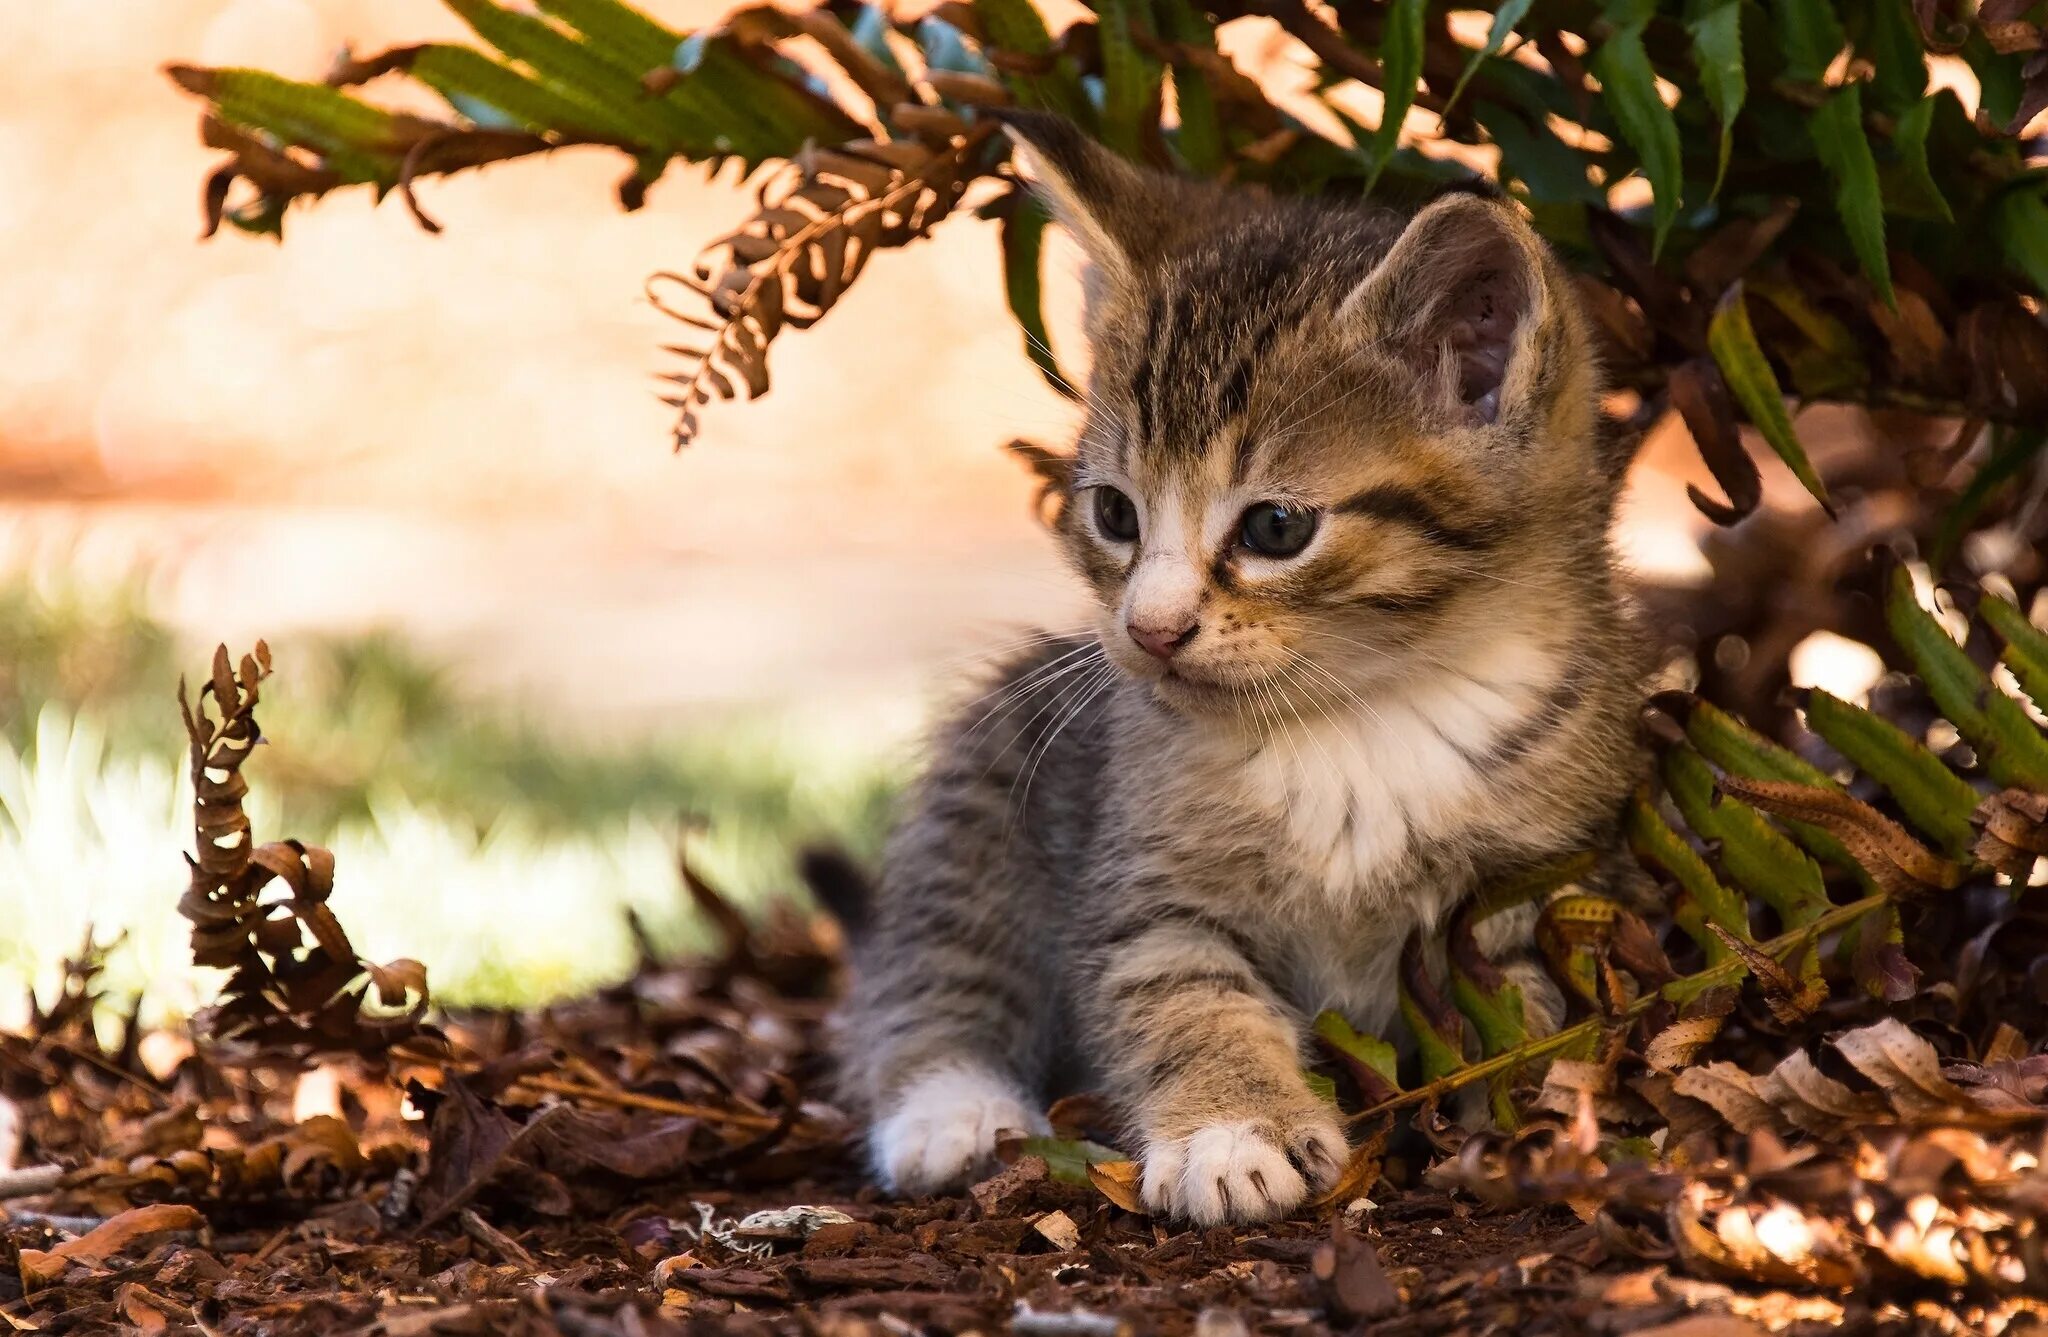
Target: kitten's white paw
942,1130
1248,1170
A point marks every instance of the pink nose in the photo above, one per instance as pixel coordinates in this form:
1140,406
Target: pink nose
1162,642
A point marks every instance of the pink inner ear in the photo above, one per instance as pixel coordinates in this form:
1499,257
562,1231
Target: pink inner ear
1480,318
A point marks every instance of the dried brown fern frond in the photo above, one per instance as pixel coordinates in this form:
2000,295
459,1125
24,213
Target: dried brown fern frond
297,986
819,223
1053,470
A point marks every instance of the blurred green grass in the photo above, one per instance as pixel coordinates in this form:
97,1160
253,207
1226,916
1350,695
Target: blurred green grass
497,844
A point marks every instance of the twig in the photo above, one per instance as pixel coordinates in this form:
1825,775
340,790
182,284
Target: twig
273,1244
415,158
634,1100
597,1089
70,1225
110,1068
30,1180
1326,43
1334,49
606,1095
497,1241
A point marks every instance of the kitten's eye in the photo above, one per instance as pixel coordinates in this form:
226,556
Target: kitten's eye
1115,516
1274,530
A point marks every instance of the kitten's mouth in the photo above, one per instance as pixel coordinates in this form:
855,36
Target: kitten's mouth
1181,688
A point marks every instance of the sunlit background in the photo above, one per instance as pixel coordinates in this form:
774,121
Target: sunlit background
522,649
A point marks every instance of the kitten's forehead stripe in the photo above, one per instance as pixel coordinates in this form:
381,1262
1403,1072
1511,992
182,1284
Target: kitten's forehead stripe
1409,604
1141,379
1237,390
1403,506
1202,346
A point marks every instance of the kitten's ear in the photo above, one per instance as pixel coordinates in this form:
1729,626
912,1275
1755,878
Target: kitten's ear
1465,298
1118,212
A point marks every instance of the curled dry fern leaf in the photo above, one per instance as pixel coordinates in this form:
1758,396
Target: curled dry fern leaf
296,986
819,223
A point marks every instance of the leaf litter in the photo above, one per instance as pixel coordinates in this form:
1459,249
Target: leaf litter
663,1155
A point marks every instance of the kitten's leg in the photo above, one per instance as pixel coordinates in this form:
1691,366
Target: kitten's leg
945,1035
1508,939
1207,1059
941,1128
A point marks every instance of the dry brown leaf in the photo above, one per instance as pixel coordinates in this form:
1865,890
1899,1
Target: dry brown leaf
1729,1090
1571,1075
2006,1045
1361,1169
1118,1181
2012,831
40,1267
1796,1094
1584,1091
397,980
1626,336
1884,848
1736,246
322,1142
1918,342
1791,998
1811,1100
1905,1068
1700,395
1678,1044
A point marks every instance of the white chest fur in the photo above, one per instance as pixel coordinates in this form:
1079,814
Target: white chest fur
1350,793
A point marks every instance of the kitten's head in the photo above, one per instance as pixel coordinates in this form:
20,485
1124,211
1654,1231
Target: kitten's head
1325,446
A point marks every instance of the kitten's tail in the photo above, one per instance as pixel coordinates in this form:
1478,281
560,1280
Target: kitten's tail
840,885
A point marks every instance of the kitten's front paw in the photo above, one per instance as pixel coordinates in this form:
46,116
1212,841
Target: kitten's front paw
942,1129
1243,1171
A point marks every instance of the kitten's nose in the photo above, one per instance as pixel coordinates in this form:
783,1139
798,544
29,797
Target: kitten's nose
1162,642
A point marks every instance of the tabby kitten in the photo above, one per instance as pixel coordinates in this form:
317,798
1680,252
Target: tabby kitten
1341,498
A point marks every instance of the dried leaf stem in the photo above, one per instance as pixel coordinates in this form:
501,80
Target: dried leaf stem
634,1100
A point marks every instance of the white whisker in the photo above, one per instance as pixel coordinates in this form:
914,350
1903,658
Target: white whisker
1095,685
1016,694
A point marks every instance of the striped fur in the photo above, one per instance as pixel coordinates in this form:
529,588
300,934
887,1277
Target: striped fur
1144,877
